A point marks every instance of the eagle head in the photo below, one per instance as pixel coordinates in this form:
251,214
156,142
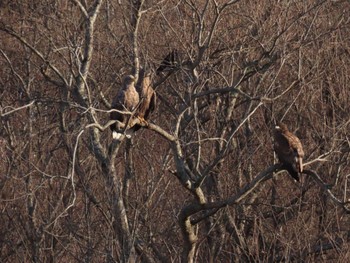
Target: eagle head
281,127
129,79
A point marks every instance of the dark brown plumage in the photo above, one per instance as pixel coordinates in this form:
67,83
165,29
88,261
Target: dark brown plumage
289,150
127,99
171,61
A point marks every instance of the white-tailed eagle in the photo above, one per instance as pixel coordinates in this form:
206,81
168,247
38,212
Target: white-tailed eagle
147,98
126,100
289,150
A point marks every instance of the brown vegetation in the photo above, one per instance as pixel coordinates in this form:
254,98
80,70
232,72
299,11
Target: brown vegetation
200,183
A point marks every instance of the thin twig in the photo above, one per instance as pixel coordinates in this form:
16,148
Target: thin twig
14,110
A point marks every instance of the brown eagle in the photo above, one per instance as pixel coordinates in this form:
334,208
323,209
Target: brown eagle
147,98
289,150
127,99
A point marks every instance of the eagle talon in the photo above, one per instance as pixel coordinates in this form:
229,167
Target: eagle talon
142,120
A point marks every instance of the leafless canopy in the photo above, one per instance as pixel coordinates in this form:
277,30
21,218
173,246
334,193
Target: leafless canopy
199,181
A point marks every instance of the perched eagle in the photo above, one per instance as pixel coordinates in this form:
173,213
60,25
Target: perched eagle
147,98
289,150
127,99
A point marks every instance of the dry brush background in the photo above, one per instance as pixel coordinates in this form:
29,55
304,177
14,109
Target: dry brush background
199,184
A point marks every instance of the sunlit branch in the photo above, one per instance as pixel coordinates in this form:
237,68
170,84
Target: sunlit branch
3,113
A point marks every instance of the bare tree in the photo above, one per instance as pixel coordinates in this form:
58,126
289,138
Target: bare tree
199,182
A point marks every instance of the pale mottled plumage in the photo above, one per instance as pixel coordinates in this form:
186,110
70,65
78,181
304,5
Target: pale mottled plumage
127,99
147,97
289,150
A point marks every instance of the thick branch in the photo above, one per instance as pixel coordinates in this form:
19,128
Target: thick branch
135,22
88,48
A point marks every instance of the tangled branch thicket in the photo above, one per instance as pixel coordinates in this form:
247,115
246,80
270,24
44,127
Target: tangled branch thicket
199,183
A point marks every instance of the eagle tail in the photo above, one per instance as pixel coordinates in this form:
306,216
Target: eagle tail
116,135
291,171
129,133
300,164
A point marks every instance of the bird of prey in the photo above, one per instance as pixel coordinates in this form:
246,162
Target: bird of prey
147,98
126,101
289,150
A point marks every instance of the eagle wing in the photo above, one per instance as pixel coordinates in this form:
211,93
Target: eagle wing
147,96
153,102
149,100
296,149
283,149
169,62
289,150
